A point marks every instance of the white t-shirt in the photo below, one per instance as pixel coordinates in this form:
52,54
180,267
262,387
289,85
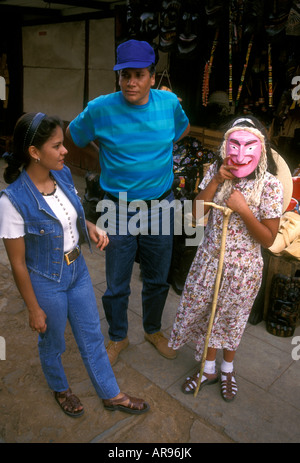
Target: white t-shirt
12,223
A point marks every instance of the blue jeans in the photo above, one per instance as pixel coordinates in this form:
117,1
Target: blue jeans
155,253
74,299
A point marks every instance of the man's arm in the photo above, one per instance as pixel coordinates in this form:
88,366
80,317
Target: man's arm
90,151
185,133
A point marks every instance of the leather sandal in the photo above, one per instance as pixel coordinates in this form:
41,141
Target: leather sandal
69,403
228,386
190,384
127,404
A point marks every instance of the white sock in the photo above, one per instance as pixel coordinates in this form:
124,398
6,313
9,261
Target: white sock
209,367
226,367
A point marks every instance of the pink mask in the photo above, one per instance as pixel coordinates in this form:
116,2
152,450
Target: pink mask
244,150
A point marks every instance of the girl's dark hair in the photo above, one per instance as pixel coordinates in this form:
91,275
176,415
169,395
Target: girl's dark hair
20,155
255,123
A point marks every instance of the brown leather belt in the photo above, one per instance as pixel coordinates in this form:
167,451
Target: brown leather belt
72,255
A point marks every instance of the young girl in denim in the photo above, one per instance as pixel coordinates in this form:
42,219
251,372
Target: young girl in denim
42,224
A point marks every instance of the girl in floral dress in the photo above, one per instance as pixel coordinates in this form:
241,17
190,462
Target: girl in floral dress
244,181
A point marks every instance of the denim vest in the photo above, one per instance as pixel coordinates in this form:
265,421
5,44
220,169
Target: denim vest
44,238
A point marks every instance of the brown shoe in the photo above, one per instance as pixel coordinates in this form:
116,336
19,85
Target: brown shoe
161,344
69,403
127,404
114,348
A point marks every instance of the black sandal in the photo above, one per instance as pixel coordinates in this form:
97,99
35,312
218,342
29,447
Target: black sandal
127,404
69,403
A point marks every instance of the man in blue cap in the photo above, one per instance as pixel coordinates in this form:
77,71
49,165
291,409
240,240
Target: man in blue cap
135,129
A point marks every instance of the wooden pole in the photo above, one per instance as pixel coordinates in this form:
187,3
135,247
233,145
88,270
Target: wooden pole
226,215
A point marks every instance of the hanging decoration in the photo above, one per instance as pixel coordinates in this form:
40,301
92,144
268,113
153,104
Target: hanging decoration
207,71
236,8
270,76
244,72
230,58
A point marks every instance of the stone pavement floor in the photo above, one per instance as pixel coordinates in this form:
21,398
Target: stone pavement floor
266,409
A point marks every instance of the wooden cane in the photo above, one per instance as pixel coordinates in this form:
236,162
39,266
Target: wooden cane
226,215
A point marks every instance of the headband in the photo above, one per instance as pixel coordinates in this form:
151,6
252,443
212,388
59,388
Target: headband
243,119
32,129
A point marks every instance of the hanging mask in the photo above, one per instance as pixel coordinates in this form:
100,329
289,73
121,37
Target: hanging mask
214,12
188,32
253,18
132,18
169,17
243,149
148,26
276,20
293,21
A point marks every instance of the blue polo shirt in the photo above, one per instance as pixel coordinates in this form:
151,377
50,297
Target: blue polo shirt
135,141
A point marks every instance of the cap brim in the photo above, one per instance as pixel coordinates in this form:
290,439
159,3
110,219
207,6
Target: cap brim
133,64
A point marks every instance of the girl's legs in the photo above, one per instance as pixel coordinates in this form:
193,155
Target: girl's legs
85,322
228,355
74,299
228,383
52,299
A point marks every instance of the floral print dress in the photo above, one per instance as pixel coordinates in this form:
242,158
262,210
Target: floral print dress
241,274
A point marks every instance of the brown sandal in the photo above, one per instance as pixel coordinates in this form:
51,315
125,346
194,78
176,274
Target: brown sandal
228,386
69,403
127,404
190,384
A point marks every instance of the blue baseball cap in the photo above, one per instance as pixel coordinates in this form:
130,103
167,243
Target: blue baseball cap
134,54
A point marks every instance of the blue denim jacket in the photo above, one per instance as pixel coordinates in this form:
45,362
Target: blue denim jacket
44,240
